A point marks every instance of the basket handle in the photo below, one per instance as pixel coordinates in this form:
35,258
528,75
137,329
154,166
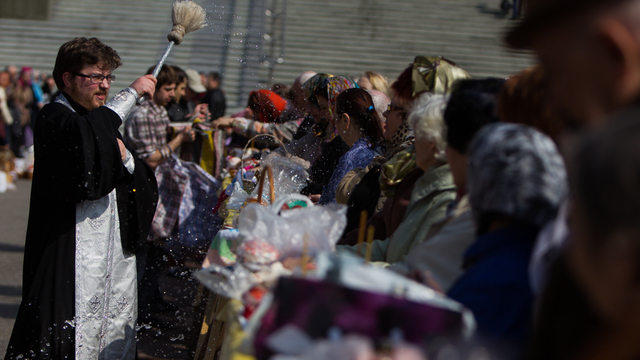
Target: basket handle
272,191
244,150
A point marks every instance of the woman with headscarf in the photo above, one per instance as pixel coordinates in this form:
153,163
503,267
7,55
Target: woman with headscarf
270,114
322,146
516,181
432,191
359,127
395,157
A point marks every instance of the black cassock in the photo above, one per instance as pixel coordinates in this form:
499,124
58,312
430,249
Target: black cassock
77,158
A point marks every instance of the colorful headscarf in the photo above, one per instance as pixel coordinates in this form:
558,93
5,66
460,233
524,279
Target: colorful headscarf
435,74
310,85
333,86
267,104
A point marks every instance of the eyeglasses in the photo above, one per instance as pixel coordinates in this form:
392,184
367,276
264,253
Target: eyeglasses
98,78
390,108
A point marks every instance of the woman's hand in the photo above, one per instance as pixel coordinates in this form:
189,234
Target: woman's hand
223,122
315,198
201,111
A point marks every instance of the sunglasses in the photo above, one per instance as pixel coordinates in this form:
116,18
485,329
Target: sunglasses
390,108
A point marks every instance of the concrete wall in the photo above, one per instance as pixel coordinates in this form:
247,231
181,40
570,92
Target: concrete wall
25,9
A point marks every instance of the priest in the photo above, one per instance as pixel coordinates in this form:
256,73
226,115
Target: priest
91,208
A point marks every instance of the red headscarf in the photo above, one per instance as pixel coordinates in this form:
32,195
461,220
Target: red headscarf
267,104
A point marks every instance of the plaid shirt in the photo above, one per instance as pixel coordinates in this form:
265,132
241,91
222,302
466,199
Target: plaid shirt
146,129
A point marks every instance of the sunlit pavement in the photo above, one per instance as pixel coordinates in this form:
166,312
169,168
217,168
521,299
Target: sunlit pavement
173,337
14,211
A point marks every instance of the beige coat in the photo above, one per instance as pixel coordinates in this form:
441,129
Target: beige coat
431,195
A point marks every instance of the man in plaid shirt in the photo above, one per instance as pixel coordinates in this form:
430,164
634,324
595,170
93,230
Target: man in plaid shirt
147,128
147,134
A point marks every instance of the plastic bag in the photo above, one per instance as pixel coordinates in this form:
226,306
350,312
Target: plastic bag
289,176
322,225
230,283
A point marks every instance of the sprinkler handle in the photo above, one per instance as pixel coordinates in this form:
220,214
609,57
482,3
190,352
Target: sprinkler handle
155,72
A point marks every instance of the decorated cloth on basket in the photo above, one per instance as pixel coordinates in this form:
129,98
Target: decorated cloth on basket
187,194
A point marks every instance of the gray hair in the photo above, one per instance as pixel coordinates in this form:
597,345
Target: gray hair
517,171
427,121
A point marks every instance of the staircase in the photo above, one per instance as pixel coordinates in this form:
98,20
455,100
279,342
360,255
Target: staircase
350,37
242,38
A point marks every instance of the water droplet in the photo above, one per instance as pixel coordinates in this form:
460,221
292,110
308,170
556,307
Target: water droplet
179,337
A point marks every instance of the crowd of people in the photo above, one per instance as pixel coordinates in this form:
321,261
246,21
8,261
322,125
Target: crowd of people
502,212
22,94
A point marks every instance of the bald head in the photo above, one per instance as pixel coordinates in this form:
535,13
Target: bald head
380,103
297,92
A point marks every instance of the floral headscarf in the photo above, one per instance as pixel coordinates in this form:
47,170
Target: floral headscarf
333,86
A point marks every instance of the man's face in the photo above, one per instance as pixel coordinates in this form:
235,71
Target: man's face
579,74
181,89
164,94
85,92
4,79
325,111
212,83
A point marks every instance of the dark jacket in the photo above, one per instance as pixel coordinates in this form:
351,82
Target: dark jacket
495,287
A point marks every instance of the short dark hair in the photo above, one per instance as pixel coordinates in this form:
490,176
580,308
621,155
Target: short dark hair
166,76
358,104
471,106
181,76
281,89
215,76
80,52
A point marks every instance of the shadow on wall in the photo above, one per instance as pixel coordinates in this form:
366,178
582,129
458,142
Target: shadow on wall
11,248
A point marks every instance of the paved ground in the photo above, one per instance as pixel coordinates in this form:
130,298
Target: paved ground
14,210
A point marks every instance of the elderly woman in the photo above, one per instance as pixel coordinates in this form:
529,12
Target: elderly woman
371,80
359,127
470,107
430,186
516,181
394,156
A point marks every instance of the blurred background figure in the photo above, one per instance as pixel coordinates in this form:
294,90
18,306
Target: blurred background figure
516,182
374,81
183,106
214,96
604,251
6,120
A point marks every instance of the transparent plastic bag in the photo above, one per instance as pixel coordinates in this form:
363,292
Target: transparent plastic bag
285,233
289,175
238,197
230,283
